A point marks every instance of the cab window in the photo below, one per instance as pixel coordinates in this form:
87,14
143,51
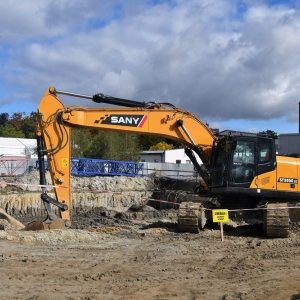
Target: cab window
264,151
244,152
243,167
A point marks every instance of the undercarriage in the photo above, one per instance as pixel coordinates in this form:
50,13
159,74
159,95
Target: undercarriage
277,218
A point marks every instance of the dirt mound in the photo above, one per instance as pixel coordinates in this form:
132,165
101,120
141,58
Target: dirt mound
101,216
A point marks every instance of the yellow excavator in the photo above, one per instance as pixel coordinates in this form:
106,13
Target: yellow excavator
240,170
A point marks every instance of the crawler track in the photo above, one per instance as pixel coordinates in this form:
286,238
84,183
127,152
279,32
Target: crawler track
277,220
188,218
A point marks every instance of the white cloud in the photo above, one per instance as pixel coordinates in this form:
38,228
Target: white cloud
204,56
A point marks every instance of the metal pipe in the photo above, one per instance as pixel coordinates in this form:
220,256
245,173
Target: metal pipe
74,95
180,123
42,169
101,98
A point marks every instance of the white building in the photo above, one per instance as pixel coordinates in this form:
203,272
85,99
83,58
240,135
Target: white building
17,147
172,163
16,156
174,156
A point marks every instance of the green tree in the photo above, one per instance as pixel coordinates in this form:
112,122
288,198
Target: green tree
16,120
18,125
162,146
113,145
8,130
270,133
146,141
174,143
3,118
81,139
29,125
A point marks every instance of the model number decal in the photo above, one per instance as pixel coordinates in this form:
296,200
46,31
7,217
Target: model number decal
288,180
123,120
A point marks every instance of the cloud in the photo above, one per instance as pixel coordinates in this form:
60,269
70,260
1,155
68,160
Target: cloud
218,59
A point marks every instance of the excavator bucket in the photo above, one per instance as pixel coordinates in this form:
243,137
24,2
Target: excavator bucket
57,224
33,226
40,225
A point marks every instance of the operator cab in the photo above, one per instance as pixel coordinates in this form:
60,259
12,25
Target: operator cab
239,157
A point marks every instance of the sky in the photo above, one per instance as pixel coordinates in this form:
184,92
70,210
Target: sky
235,64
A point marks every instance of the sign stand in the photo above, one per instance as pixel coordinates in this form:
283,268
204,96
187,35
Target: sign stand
221,229
220,216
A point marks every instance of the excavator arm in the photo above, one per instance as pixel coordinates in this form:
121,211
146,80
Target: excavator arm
56,120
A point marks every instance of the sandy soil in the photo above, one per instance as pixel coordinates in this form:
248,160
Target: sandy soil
140,255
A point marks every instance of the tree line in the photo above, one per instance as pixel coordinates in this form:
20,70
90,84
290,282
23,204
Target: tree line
18,125
88,143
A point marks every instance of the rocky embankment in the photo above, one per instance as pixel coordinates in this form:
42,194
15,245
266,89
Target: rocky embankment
21,196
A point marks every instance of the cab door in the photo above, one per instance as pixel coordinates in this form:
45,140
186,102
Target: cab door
243,162
266,156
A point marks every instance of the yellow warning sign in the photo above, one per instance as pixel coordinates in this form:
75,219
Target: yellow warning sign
65,162
220,215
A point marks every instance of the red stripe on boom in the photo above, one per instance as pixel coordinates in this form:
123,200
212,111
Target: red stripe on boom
143,121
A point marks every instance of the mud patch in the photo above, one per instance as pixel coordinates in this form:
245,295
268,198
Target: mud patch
101,216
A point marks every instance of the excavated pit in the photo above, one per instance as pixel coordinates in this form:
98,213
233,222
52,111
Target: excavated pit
108,201
97,201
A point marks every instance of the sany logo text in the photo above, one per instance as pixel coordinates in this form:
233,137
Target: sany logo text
123,120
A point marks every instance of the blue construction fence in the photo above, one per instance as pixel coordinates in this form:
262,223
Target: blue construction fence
98,167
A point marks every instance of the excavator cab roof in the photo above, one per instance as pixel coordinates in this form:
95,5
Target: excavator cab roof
232,133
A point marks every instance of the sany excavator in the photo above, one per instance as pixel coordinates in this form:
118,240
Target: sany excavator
240,170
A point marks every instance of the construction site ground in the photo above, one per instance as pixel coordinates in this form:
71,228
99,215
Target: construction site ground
125,261
138,254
